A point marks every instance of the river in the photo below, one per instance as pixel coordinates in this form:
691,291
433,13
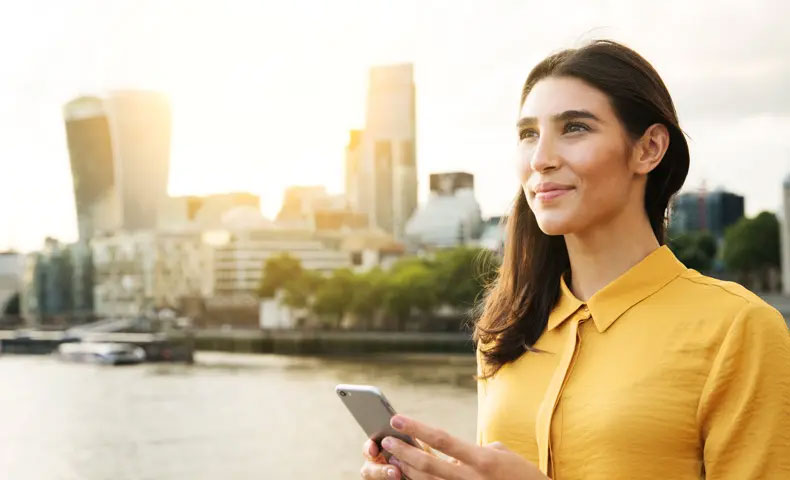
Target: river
228,416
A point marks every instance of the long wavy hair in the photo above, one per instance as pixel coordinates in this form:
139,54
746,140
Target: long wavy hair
515,309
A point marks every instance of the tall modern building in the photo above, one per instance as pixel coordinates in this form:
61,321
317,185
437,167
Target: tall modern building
92,166
353,166
713,212
119,147
381,168
58,281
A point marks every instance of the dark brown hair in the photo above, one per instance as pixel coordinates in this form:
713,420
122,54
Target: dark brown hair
516,307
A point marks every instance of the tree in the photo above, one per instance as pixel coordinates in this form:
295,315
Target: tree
462,273
751,246
277,271
368,294
298,291
695,249
455,277
411,285
333,296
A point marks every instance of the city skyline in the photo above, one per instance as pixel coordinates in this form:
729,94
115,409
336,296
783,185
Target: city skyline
279,87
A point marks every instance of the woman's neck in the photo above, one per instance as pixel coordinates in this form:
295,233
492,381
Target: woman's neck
599,256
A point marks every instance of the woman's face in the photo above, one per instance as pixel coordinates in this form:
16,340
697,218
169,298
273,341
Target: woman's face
573,157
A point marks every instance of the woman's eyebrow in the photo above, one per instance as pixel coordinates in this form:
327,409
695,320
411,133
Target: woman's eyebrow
559,117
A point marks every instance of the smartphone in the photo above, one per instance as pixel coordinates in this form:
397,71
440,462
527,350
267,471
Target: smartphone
373,412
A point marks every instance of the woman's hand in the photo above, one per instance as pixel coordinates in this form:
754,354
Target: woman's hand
469,461
376,466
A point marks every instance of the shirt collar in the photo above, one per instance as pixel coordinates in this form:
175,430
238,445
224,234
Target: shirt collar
608,304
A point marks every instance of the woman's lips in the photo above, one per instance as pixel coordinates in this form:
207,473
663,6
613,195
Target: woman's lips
551,194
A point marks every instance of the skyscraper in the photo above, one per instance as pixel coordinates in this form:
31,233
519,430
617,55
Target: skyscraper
706,211
92,169
353,165
381,164
119,147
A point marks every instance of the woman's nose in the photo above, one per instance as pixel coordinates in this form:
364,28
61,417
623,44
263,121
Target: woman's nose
543,156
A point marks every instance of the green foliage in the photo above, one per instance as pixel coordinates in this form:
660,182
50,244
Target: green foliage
333,295
298,291
411,284
455,277
461,275
368,292
752,244
695,249
277,271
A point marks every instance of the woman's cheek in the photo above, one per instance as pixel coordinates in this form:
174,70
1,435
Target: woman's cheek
601,199
523,169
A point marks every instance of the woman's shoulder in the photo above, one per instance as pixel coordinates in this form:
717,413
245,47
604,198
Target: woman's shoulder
700,284
729,301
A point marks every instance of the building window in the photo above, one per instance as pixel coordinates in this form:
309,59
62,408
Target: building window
356,258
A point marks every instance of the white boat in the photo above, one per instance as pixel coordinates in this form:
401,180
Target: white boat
106,353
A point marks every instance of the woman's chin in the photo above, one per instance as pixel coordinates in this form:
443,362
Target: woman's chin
554,226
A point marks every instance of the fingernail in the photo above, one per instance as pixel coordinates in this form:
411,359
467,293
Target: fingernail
394,461
391,473
396,422
387,443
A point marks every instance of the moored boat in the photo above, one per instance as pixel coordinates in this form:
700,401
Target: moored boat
106,353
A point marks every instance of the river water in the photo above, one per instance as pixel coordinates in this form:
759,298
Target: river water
228,416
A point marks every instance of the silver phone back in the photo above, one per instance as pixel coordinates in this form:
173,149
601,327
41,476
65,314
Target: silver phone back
372,411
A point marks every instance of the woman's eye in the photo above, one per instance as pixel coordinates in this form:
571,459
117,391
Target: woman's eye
573,127
527,133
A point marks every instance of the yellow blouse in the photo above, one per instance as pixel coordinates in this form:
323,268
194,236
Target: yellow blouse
676,376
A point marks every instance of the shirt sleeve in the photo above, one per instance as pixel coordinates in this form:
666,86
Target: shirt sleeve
744,409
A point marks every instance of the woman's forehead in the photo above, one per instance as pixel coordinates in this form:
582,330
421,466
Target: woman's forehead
552,96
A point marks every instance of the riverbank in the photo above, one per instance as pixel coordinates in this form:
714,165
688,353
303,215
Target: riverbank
284,342
320,342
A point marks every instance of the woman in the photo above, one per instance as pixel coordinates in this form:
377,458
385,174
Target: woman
600,355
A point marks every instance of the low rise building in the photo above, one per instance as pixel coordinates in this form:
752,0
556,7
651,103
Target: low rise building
141,272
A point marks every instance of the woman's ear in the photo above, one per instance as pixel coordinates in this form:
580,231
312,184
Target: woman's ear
651,148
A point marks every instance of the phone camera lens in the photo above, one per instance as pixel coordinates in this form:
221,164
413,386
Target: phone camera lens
341,393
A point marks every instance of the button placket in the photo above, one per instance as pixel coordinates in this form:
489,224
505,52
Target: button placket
550,399
587,316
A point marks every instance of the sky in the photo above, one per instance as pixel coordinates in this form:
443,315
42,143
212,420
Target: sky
264,93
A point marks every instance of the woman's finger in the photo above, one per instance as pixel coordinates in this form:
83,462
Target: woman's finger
411,472
440,440
426,448
417,460
377,471
370,450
